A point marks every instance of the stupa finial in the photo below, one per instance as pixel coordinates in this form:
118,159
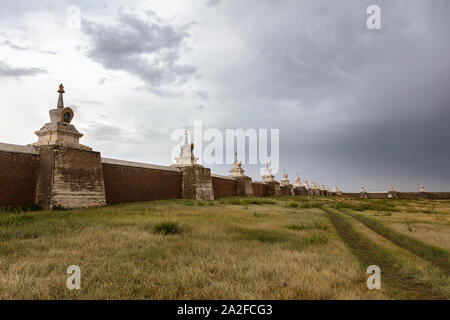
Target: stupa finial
60,98
186,137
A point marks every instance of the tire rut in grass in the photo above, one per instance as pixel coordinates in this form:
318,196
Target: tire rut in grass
437,256
369,253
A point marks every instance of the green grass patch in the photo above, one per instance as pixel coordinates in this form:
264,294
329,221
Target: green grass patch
292,205
264,236
315,239
246,201
15,221
310,205
168,228
20,209
373,205
318,225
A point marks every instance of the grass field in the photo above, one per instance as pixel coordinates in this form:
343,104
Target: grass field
231,248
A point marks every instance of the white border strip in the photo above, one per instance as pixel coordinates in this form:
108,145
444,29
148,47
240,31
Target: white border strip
5,147
222,177
138,165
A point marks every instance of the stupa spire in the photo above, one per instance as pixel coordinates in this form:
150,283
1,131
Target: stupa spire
60,104
186,153
186,137
59,131
297,182
268,177
236,170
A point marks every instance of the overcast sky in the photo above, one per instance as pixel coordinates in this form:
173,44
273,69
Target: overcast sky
354,106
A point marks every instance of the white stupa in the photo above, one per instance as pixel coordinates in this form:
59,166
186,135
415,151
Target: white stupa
297,182
59,131
306,185
187,157
337,191
268,176
285,180
237,170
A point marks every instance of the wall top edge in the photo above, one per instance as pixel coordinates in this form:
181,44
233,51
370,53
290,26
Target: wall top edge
5,147
222,177
138,165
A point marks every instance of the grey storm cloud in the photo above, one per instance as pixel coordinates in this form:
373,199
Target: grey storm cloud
11,72
148,49
212,3
354,106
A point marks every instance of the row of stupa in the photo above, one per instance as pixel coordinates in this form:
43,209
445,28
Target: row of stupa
187,158
268,177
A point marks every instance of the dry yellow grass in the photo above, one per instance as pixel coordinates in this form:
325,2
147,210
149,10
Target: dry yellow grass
224,252
432,228
266,250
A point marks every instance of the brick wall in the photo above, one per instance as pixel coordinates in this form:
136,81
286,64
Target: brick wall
377,195
351,194
132,182
260,189
404,195
196,182
439,195
224,186
244,186
18,175
408,195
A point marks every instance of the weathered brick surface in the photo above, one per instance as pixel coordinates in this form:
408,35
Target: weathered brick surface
18,175
71,178
274,189
44,183
377,195
260,189
244,186
131,184
77,178
300,191
197,182
439,195
224,187
351,194
408,195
